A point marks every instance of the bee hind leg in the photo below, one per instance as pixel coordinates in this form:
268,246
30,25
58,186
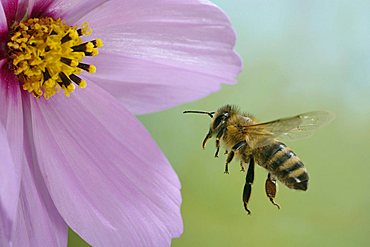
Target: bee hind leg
270,188
230,156
249,178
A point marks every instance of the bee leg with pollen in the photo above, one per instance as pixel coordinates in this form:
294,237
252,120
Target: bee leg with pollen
230,156
218,137
270,188
249,178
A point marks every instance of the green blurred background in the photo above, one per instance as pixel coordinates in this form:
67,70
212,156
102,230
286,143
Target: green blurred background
298,56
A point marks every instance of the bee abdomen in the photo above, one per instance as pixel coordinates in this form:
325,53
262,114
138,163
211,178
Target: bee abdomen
285,165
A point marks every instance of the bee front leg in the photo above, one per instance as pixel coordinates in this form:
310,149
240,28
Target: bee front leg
270,188
209,135
218,137
249,178
230,156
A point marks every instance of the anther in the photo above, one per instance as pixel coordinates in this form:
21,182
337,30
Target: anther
66,38
84,30
93,53
87,67
97,43
79,32
79,82
46,75
68,61
84,47
66,81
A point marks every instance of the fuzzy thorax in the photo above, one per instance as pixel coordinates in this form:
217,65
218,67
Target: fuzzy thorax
46,55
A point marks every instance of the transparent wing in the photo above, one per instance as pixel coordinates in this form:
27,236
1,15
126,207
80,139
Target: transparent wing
293,128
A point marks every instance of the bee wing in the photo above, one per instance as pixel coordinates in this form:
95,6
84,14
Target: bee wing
293,128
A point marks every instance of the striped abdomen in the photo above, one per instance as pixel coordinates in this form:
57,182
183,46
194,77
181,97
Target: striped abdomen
282,162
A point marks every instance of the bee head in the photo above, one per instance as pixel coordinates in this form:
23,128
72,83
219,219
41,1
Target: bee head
219,120
221,117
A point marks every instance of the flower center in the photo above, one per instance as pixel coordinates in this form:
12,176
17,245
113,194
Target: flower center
46,55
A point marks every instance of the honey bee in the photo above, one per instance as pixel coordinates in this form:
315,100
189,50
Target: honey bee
253,142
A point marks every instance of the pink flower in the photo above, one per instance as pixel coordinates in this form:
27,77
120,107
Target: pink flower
84,161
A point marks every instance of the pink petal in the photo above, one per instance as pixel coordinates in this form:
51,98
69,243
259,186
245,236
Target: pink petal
107,177
3,22
145,88
11,121
38,221
9,189
16,10
11,113
3,32
163,39
73,10
38,8
10,8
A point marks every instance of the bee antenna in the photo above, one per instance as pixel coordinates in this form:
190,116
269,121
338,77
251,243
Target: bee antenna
201,112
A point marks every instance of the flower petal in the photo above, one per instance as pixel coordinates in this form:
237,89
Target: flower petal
192,39
16,10
38,221
38,8
146,89
11,121
3,21
73,10
3,32
10,8
107,177
9,190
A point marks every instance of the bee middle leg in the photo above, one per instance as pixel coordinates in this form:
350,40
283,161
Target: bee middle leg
249,178
230,156
218,137
242,166
270,188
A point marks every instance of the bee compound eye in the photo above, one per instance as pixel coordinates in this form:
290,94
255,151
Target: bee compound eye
219,120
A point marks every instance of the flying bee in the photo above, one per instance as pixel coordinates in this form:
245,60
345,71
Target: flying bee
252,142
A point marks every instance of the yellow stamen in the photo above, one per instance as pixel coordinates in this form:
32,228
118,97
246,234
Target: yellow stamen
46,55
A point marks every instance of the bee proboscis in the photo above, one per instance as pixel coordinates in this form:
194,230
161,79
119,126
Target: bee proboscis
253,142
